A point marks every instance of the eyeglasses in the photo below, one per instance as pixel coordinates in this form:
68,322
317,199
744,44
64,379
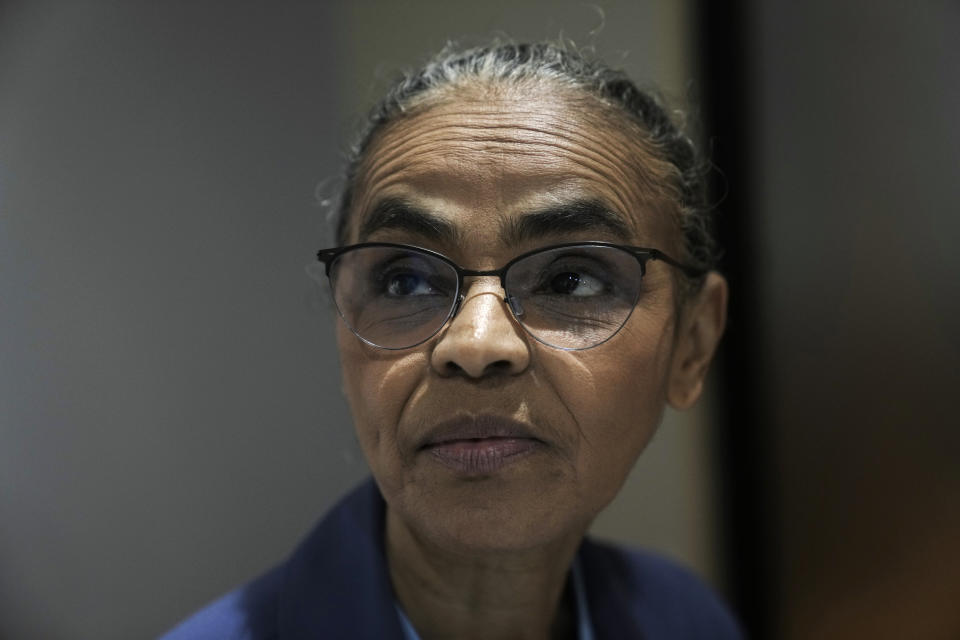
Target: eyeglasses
568,296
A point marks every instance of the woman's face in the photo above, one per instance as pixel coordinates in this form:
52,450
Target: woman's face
482,437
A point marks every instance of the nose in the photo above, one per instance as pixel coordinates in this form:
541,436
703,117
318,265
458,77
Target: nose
483,339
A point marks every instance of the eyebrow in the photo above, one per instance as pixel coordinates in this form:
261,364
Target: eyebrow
400,215
568,217
574,216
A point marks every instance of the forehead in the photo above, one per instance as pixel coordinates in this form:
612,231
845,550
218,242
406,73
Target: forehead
480,158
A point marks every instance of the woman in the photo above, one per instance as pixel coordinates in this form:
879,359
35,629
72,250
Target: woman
524,281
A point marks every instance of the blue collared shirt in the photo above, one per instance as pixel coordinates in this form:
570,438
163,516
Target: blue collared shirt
337,585
584,626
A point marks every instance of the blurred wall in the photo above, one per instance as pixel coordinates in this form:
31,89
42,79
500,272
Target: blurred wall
170,416
856,190
170,421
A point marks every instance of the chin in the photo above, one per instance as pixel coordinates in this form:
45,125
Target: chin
493,516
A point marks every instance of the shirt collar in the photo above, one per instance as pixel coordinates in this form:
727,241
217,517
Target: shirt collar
584,624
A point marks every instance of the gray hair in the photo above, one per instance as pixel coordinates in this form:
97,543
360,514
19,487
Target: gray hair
562,67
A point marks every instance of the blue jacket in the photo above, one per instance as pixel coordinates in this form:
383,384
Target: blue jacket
336,585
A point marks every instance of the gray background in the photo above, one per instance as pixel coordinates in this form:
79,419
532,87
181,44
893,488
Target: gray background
170,415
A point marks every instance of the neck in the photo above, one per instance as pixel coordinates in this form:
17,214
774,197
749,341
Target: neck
452,593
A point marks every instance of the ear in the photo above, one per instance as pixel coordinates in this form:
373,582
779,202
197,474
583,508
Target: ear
699,329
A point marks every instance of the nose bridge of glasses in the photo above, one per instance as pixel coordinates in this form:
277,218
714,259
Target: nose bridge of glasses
500,274
472,274
475,273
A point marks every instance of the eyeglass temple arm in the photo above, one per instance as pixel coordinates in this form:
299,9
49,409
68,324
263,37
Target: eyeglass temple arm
326,256
656,254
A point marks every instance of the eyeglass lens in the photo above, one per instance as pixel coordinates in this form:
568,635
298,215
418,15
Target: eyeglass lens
567,297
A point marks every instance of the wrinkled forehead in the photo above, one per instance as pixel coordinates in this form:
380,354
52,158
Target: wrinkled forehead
497,154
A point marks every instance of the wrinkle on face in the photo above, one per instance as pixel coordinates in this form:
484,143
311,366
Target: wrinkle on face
574,371
371,406
469,138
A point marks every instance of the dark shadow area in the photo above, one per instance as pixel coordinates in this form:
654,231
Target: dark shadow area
725,65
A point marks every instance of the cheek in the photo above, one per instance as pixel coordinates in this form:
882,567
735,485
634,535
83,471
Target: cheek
377,385
616,394
636,377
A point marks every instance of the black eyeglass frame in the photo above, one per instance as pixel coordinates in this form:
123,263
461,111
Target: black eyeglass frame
643,255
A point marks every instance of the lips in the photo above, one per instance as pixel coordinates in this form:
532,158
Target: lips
480,445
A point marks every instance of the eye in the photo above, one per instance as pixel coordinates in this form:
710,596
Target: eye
405,276
406,283
572,283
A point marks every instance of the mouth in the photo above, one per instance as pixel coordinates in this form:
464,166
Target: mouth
481,445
